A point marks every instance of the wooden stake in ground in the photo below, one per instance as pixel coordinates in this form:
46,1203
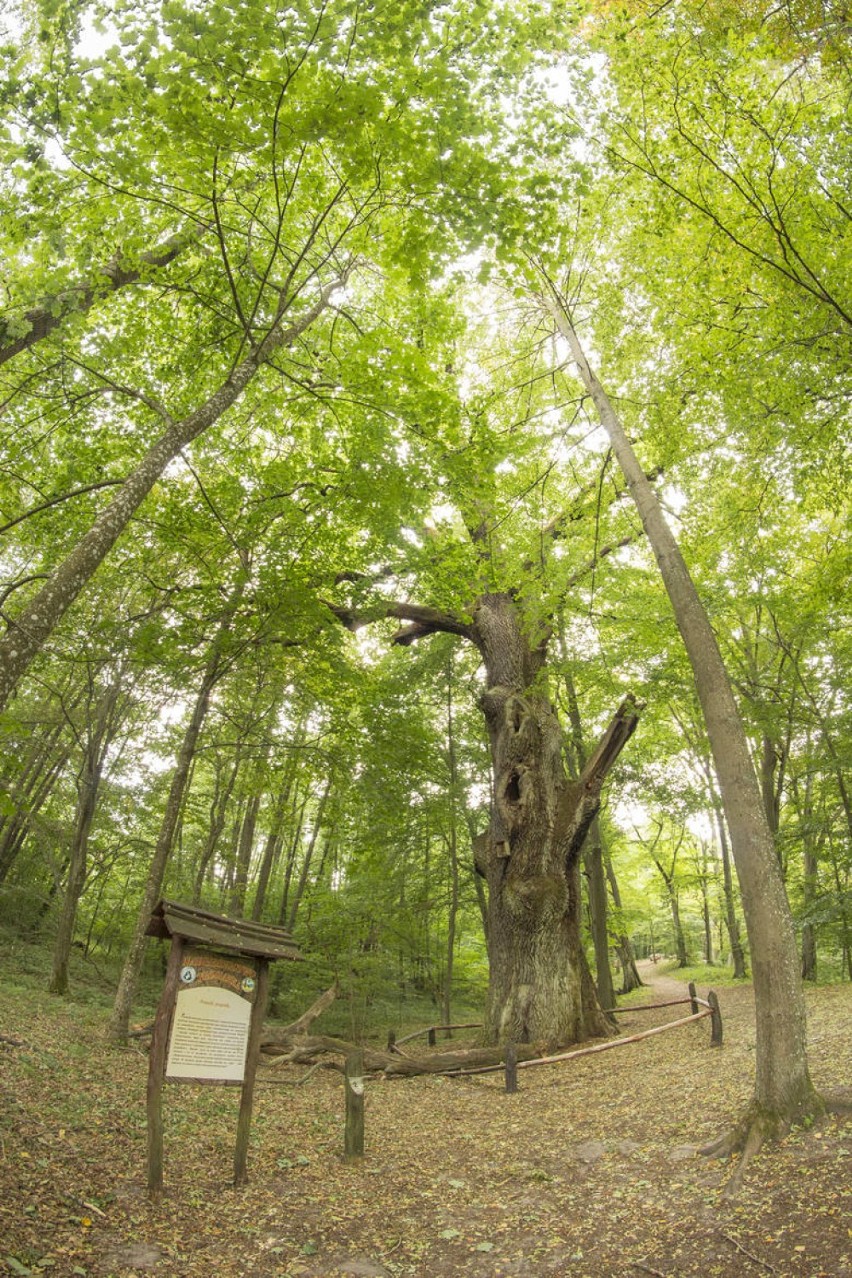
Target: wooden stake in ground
353,1141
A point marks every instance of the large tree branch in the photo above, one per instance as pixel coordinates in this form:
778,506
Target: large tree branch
41,320
581,801
424,621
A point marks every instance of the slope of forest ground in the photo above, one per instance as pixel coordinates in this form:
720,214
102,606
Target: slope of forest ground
590,1169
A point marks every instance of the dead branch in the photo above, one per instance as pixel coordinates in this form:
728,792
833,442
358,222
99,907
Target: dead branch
304,1022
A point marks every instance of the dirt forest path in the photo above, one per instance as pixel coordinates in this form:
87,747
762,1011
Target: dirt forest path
590,1171
660,986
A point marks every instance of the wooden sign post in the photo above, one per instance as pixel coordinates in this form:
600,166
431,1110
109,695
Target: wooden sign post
210,1016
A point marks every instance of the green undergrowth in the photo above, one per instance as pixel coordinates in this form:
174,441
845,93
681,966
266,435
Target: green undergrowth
703,974
829,973
359,1012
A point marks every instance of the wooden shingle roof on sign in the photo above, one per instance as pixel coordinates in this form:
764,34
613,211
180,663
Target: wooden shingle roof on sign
237,936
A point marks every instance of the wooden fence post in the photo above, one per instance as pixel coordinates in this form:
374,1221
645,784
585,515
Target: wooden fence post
391,1040
431,1037
715,1020
511,1068
693,998
353,1140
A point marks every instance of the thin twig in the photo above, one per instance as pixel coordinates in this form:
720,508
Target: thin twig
646,1269
757,1260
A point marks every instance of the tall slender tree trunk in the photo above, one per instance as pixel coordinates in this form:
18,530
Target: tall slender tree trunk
29,630
704,884
453,850
308,855
841,883
738,957
87,785
630,978
593,863
283,909
244,851
213,671
667,874
275,837
29,805
218,813
809,886
100,733
783,1087
680,939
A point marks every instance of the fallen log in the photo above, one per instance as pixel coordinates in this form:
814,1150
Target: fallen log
303,1050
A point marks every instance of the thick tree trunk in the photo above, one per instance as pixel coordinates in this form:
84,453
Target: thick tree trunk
592,852
540,987
783,1088
29,630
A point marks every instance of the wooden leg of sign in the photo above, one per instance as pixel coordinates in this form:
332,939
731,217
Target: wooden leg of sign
353,1140
258,1012
157,1067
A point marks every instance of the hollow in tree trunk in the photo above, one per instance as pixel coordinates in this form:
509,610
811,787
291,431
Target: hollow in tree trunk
540,986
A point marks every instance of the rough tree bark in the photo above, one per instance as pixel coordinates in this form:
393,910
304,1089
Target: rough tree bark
593,860
540,986
783,1091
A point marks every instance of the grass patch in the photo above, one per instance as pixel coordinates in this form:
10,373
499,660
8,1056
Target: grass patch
703,974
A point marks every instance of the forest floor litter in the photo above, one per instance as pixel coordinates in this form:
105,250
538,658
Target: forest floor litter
590,1170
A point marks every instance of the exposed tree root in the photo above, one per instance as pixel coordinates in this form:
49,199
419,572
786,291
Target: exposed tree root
757,1127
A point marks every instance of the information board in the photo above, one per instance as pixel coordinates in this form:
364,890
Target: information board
211,1018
